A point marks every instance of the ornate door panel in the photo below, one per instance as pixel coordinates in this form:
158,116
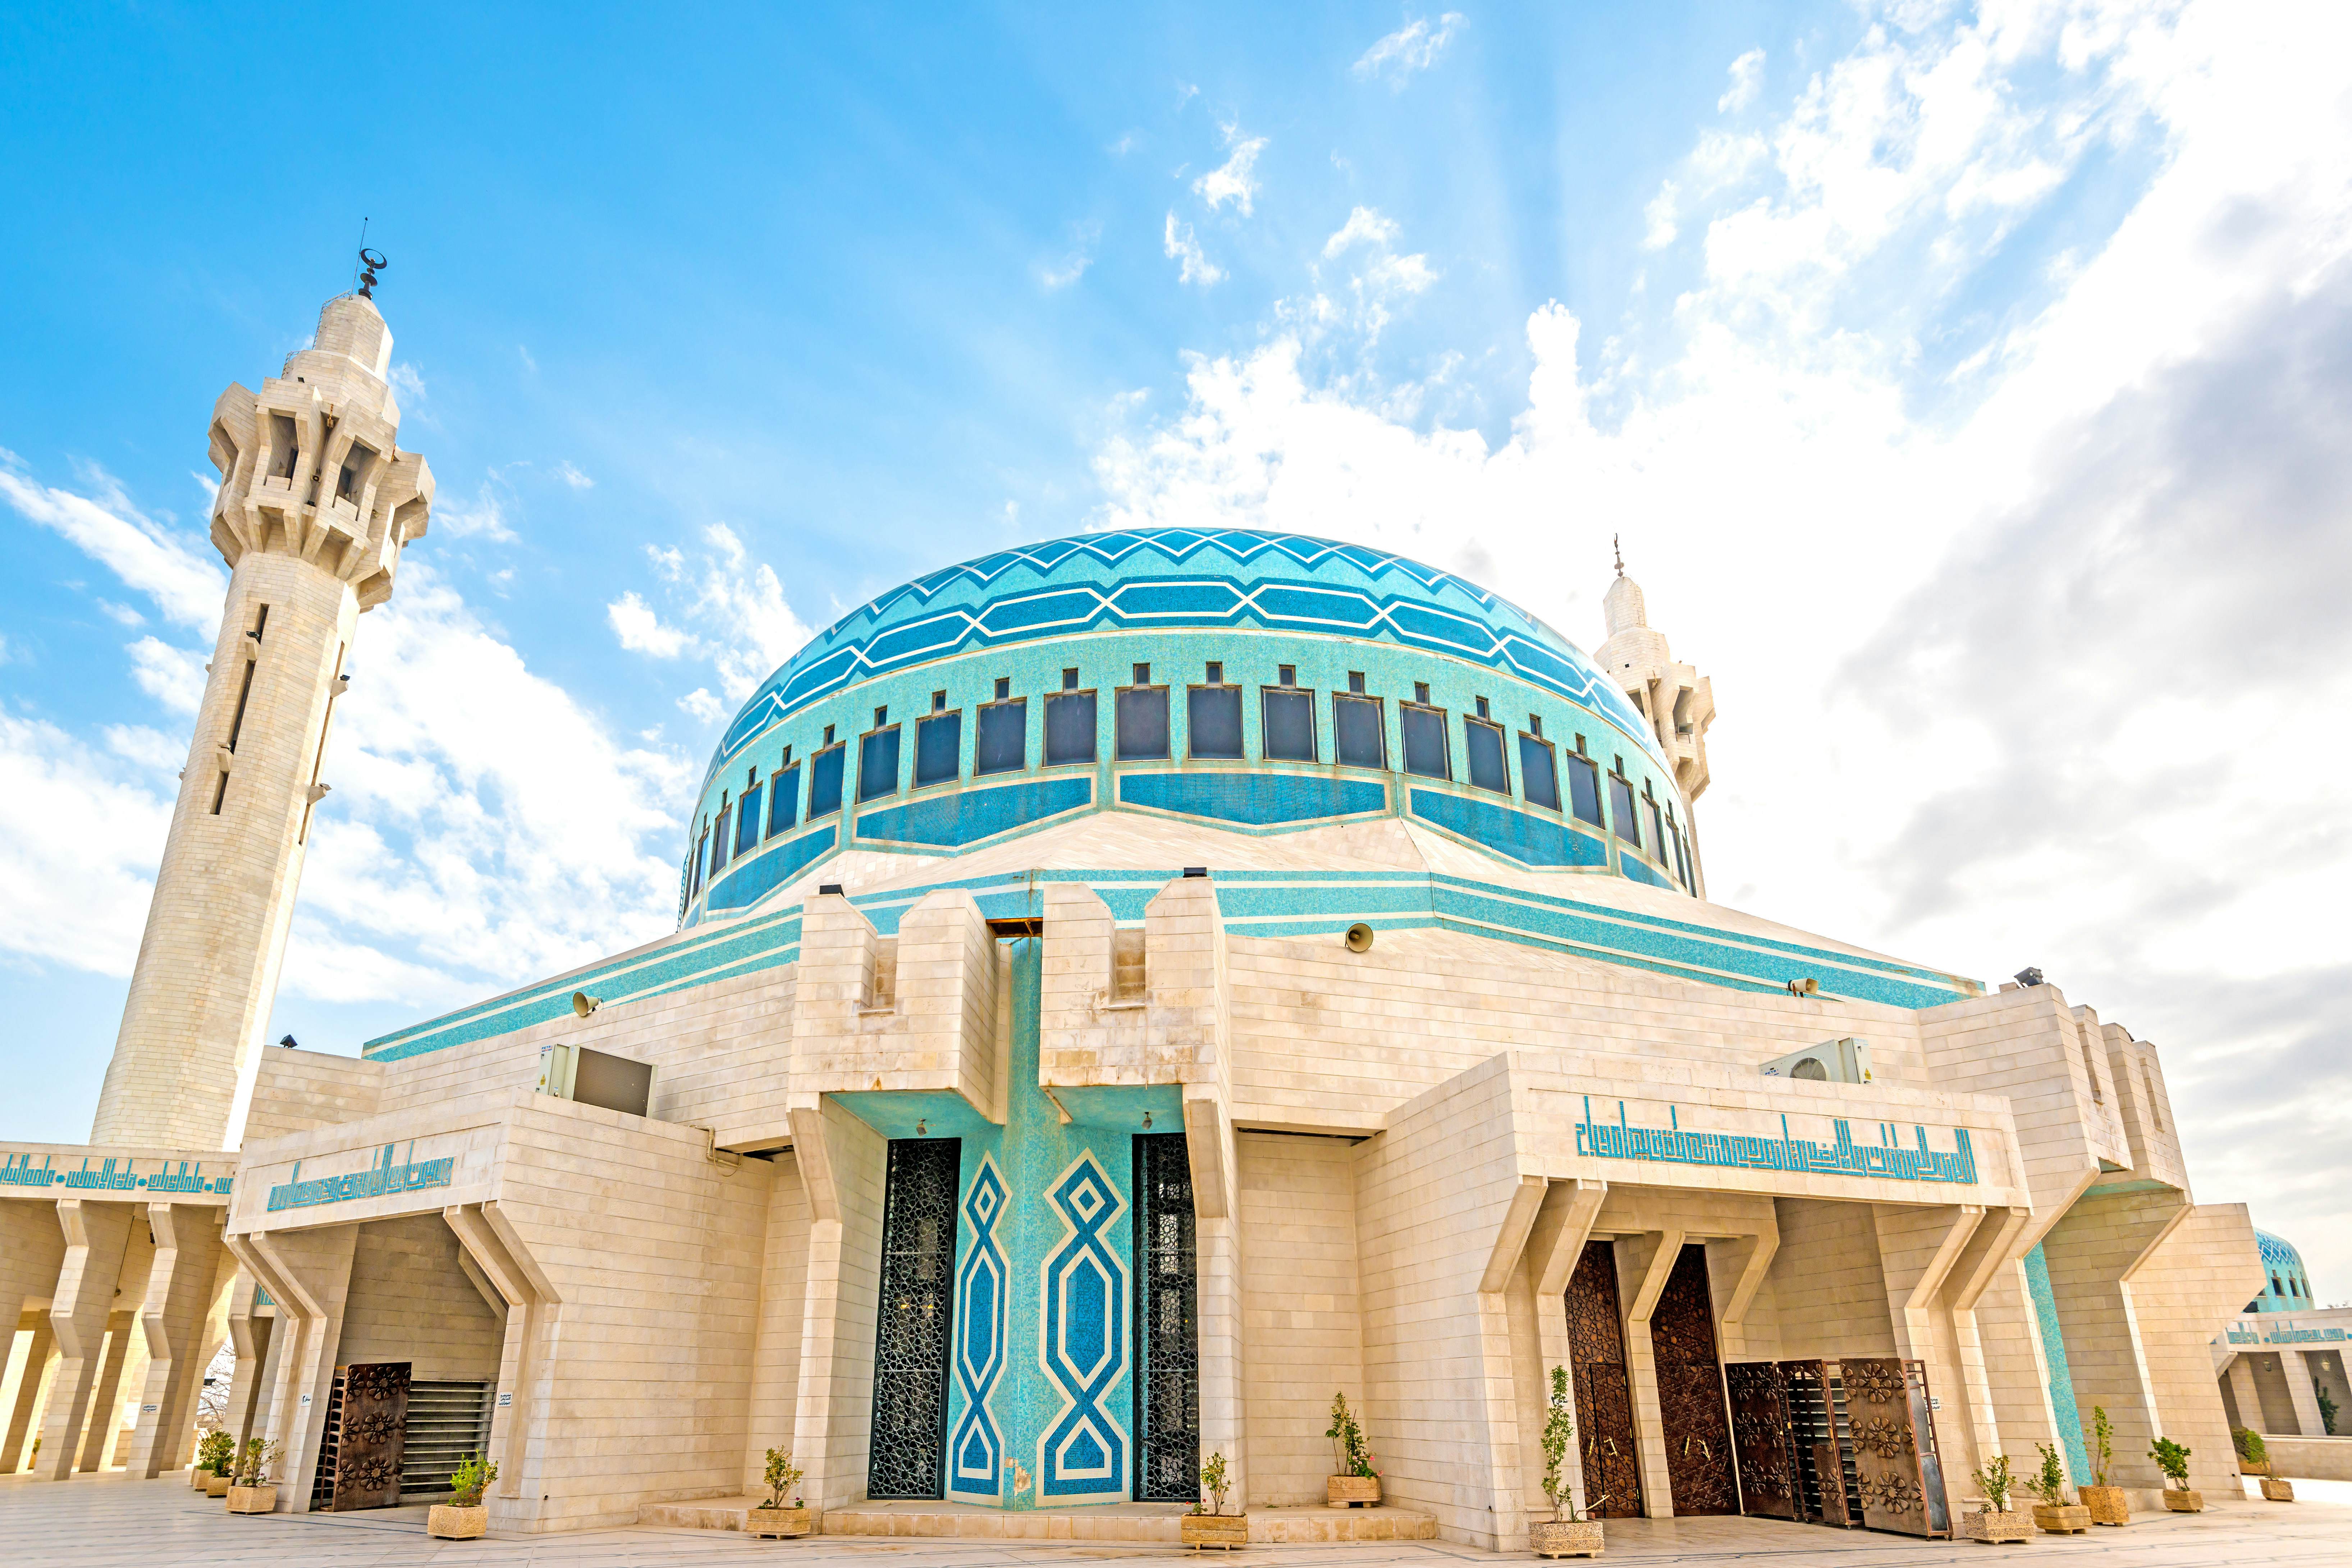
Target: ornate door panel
1814,1442
1605,1398
1885,1446
912,1330
372,1427
1167,1317
1759,1435
1690,1392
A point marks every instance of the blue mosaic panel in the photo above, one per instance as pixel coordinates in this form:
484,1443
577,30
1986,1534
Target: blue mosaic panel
1082,1339
763,874
976,1447
2062,1408
1255,799
965,817
1531,840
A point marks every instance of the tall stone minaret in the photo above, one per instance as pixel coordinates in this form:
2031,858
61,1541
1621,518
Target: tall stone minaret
316,501
1677,700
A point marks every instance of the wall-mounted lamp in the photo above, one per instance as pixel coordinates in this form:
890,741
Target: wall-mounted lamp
583,1004
922,1128
2027,976
1147,1121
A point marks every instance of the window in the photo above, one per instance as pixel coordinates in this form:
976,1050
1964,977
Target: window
1213,719
694,867
2155,1113
1003,687
1480,705
1421,692
1286,674
1538,773
1216,675
1658,832
1423,729
718,838
1288,714
1358,734
825,778
1004,738
1142,719
1069,680
1535,725
1356,683
1069,724
877,760
1620,810
939,743
1584,789
783,798
746,821
1483,743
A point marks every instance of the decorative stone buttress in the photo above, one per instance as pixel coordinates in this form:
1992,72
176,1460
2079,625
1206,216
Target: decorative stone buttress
316,501
1677,700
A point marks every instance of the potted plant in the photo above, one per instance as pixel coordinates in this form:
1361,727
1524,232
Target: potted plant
1569,1531
2253,1454
1357,1483
1209,1524
253,1492
1998,1521
775,1518
2173,1460
2106,1503
213,1451
465,1516
222,1470
2054,1514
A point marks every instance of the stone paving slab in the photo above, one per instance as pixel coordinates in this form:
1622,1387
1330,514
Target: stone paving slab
113,1521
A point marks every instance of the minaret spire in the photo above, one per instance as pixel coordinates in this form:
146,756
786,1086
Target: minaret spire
316,502
1677,700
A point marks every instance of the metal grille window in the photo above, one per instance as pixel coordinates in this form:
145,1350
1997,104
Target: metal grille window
877,764
1212,717
1069,727
824,781
1142,721
1166,1319
1483,742
784,799
912,1327
938,747
1538,773
1358,734
1004,739
1289,715
1583,789
1426,750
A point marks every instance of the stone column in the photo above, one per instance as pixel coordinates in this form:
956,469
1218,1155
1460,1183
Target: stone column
2242,1389
180,1290
35,1378
106,1394
1645,1262
96,1236
2300,1389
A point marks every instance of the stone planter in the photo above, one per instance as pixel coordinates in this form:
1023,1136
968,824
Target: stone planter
1229,1531
2254,1466
450,1521
2277,1490
2180,1500
1352,1491
776,1524
196,1474
2066,1518
1994,1529
1565,1536
253,1499
215,1484
2108,1505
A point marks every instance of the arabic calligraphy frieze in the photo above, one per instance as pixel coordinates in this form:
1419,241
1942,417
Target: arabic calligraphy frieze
385,1176
1887,1160
110,1173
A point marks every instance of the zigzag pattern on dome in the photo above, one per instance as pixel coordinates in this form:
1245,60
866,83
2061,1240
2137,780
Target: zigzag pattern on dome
894,631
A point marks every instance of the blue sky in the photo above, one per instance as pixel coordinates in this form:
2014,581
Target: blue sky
1954,378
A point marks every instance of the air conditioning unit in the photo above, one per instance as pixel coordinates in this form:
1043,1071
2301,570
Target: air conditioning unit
596,1078
1832,1061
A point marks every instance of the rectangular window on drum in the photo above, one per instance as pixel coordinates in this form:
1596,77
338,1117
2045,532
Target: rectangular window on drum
1359,736
784,799
1621,811
1004,738
1426,750
746,821
1069,727
1289,716
1657,834
938,748
1584,790
719,840
1538,773
825,781
1214,721
877,764
1483,742
1142,723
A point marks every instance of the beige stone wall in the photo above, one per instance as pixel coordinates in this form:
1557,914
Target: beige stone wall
411,1300
295,1090
1300,1328
775,1365
1827,1292
2183,1291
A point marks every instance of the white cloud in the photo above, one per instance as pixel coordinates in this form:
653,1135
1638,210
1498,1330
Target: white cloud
727,610
1379,279
150,749
703,706
1365,225
1660,216
1073,263
1235,179
641,631
177,571
406,380
1182,248
1412,47
173,677
79,844
573,477
122,615
484,517
1746,81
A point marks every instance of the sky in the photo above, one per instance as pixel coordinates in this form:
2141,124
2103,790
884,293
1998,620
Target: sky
1967,386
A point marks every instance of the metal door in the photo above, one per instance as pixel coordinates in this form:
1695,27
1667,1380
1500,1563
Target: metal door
1167,1334
1691,1406
1760,1435
1605,1398
908,1448
1887,1446
372,1427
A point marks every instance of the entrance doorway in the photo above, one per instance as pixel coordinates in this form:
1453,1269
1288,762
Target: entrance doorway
912,1329
1167,1328
1605,1398
1690,1391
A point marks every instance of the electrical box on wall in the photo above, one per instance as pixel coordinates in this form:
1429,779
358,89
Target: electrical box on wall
596,1078
1833,1061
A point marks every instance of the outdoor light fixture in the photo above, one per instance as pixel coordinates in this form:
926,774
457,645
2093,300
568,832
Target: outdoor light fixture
583,1004
2027,977
1807,986
1359,938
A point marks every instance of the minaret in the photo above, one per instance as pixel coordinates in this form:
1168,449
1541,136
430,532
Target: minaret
315,502
1677,700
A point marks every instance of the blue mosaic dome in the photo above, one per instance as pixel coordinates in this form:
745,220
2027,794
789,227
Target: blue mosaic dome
2286,1283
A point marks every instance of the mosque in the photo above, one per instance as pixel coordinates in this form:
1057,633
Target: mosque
1127,989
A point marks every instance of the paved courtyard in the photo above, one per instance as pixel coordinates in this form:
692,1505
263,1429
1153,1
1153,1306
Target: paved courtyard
115,1522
